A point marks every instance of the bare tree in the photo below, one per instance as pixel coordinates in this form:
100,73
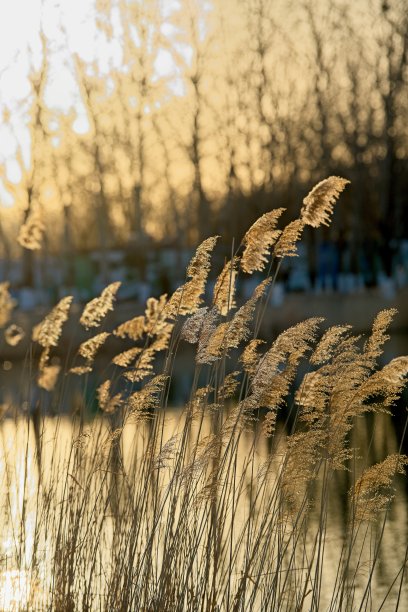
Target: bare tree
391,79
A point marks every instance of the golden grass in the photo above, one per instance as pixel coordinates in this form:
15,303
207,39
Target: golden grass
227,503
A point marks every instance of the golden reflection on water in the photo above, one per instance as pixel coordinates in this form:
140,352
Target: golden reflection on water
26,563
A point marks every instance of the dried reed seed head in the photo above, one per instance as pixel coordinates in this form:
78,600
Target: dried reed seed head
318,204
382,389
113,404
250,356
7,303
191,294
269,423
89,348
347,386
346,401
161,342
347,354
191,329
141,403
187,298
200,263
374,344
133,329
238,329
48,332
125,358
258,241
293,342
143,366
209,492
167,454
215,345
31,232
286,244
207,449
273,395
302,454
144,356
155,315
313,395
153,307
328,343
396,371
82,441
277,369
224,289
229,386
112,439
99,307
373,491
172,308
240,417
148,395
115,434
48,377
208,327
200,401
13,335
103,393
108,403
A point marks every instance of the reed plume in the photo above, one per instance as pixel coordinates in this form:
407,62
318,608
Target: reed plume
374,345
226,501
125,358
328,344
224,288
141,404
318,204
277,368
87,350
143,366
48,332
216,340
191,329
239,327
250,356
132,329
97,309
286,246
373,491
108,403
188,298
258,240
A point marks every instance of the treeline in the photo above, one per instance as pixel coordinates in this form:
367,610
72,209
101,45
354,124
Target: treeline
191,118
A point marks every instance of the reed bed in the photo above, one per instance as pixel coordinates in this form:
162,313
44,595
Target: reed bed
227,503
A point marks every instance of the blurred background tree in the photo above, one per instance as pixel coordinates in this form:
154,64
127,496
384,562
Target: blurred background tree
154,124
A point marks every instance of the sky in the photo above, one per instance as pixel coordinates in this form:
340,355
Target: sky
63,21
20,50
69,26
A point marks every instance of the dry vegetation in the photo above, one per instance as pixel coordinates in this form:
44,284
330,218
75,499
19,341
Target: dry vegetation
225,504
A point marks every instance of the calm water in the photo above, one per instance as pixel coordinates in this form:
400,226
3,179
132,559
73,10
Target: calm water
20,484
26,537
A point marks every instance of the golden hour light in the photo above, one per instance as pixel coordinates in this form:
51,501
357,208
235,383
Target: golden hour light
14,590
203,305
